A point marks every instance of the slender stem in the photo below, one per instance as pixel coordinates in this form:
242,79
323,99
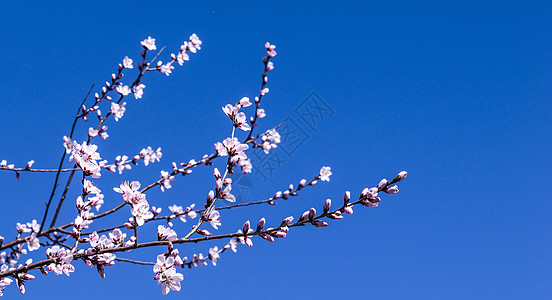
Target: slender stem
61,162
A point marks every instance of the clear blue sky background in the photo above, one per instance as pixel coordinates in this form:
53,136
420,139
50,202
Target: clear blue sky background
457,94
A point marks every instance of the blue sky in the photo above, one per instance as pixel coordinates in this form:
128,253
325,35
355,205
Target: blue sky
457,94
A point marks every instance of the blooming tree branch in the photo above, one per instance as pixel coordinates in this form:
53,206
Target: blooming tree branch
79,240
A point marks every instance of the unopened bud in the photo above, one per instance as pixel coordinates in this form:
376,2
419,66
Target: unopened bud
216,173
400,177
261,224
327,205
346,197
246,227
392,189
287,220
319,223
382,184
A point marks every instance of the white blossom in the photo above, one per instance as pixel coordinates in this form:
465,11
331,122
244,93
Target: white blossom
123,90
149,43
325,173
118,110
138,91
127,63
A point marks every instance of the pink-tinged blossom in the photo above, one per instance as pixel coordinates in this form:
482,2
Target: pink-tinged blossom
118,110
68,144
244,102
63,259
269,47
261,113
123,90
232,245
214,218
166,179
92,132
95,201
33,243
149,43
182,56
270,140
22,228
90,188
34,226
177,210
230,110
189,210
240,121
369,193
117,237
170,280
127,63
226,194
166,68
325,173
85,157
221,150
141,212
130,191
4,164
165,233
214,255
245,165
195,42
4,282
150,156
264,91
30,163
138,91
121,163
234,147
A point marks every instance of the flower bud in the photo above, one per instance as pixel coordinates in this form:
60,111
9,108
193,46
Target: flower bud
392,189
210,198
267,237
382,184
400,177
346,198
261,224
336,215
246,227
319,223
348,209
279,234
204,232
218,186
312,213
287,220
327,205
216,173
